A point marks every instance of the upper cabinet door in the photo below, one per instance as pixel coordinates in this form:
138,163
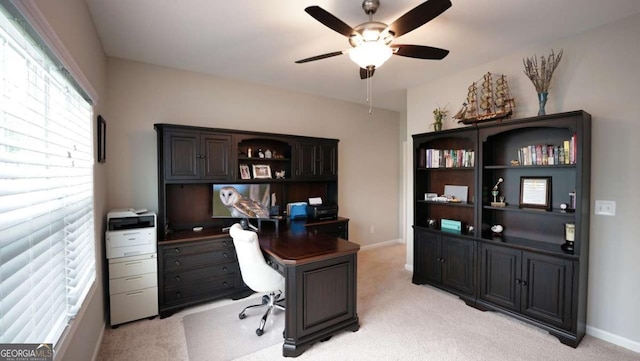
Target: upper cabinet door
316,159
197,156
181,151
328,160
306,157
216,157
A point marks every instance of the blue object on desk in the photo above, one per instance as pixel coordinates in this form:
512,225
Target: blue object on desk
298,211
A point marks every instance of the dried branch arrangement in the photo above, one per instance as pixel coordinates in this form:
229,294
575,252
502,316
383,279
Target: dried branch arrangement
541,77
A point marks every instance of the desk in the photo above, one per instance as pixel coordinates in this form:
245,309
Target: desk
320,288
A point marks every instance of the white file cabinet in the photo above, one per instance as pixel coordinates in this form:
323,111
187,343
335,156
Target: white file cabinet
133,288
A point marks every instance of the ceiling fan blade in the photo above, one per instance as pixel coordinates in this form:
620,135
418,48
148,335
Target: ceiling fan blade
364,73
318,57
419,51
418,16
329,20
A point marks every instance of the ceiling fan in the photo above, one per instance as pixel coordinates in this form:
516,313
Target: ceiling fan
371,41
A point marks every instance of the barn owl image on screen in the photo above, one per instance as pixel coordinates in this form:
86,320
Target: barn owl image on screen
240,206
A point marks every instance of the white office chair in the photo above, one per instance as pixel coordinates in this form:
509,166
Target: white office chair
256,273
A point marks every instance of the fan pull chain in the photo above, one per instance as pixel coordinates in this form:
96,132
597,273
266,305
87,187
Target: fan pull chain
369,92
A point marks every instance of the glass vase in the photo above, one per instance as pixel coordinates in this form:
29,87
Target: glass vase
542,102
437,126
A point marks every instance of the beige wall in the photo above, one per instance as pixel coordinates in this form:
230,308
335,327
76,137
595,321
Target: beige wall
140,95
72,24
599,74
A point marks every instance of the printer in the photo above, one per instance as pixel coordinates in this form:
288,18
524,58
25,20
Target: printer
322,211
130,233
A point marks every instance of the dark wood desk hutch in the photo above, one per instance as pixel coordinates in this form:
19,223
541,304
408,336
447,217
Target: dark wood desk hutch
523,271
200,266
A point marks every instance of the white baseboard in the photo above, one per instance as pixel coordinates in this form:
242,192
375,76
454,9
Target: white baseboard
614,339
381,244
408,267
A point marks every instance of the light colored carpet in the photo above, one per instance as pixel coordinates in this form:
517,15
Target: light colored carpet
218,334
398,321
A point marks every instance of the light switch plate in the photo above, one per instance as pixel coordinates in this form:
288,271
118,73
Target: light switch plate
605,208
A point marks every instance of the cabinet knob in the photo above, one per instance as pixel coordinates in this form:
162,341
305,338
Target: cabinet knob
524,283
224,243
518,281
224,284
178,263
178,294
225,255
224,269
177,278
176,250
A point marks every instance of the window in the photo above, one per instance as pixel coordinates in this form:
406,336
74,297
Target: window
47,255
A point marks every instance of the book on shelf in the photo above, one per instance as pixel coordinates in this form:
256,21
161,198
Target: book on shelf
548,154
447,158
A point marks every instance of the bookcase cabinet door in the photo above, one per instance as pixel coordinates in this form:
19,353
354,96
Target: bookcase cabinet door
500,269
547,295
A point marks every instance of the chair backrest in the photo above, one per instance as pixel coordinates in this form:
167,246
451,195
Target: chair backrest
256,273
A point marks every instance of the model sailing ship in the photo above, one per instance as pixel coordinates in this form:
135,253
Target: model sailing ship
493,105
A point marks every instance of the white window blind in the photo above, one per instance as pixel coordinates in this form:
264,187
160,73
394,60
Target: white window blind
47,255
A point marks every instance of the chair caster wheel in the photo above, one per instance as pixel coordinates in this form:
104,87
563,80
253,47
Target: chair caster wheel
259,332
242,316
265,299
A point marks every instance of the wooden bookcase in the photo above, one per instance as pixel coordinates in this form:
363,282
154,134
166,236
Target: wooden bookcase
523,271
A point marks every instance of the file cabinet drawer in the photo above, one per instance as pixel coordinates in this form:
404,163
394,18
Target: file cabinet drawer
194,260
132,267
200,275
134,305
131,283
181,294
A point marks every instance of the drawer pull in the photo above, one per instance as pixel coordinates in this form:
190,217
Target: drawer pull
176,250
224,284
224,269
132,263
224,243
225,255
178,263
134,293
177,278
133,278
178,294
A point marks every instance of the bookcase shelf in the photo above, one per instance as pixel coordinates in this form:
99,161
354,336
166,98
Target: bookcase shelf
526,270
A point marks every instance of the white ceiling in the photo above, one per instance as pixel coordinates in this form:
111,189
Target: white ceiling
258,41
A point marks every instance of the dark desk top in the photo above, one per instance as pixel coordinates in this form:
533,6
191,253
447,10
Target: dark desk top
300,247
292,245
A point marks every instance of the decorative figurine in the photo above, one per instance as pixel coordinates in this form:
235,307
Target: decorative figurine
280,174
260,153
497,230
495,192
267,154
249,153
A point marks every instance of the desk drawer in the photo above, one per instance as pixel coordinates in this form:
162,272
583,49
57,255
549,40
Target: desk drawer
175,263
133,267
199,275
189,248
131,283
195,290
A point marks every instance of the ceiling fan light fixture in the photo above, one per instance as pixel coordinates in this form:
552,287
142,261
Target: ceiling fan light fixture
370,53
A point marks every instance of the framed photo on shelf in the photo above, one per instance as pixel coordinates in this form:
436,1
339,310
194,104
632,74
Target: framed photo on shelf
261,171
244,171
535,192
